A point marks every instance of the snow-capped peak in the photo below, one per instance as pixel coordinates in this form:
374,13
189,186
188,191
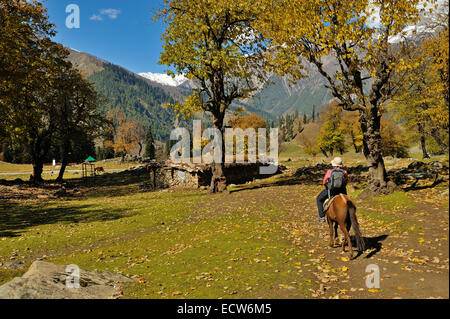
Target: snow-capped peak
409,32
165,79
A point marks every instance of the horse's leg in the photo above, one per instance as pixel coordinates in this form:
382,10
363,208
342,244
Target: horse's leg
330,224
348,224
335,231
346,239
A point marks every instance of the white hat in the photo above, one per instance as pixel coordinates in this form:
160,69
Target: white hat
337,161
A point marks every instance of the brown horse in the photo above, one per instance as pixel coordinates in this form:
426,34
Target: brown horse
342,212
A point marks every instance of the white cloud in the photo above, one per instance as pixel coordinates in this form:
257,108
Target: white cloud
111,13
96,17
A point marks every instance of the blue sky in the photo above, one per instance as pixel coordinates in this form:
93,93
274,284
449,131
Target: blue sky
119,31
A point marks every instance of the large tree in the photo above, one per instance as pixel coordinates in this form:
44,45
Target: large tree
128,136
24,28
28,63
423,99
31,119
358,35
214,44
41,99
76,112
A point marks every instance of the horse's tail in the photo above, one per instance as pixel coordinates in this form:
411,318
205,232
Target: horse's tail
359,239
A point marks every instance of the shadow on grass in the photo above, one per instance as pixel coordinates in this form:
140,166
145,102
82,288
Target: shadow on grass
16,217
117,191
310,175
284,182
106,179
413,187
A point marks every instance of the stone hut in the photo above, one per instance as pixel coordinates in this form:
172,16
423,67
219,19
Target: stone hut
169,175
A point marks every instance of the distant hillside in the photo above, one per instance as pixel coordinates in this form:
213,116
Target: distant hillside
137,97
281,97
86,63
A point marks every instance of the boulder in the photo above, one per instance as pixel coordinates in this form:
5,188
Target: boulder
48,281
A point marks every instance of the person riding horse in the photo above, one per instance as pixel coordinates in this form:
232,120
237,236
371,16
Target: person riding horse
335,182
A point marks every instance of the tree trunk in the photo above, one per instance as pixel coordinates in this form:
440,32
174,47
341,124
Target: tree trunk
435,134
357,149
64,162
37,161
218,179
140,148
370,121
39,148
323,152
38,168
423,144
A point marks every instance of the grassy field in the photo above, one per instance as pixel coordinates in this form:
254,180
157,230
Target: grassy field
11,172
259,241
166,239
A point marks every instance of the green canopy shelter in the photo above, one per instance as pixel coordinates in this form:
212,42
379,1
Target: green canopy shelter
88,168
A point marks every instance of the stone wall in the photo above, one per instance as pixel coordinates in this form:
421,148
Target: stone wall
169,175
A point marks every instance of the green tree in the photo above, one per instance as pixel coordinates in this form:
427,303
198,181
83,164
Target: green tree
29,64
313,116
149,145
289,127
77,116
24,30
331,137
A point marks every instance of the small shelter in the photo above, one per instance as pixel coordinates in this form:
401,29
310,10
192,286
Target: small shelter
88,168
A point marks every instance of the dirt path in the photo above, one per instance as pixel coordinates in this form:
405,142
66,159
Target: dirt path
407,235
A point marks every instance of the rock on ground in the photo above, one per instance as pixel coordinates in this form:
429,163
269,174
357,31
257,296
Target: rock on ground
48,281
12,265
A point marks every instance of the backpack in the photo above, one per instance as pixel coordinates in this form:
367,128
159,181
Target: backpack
337,179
